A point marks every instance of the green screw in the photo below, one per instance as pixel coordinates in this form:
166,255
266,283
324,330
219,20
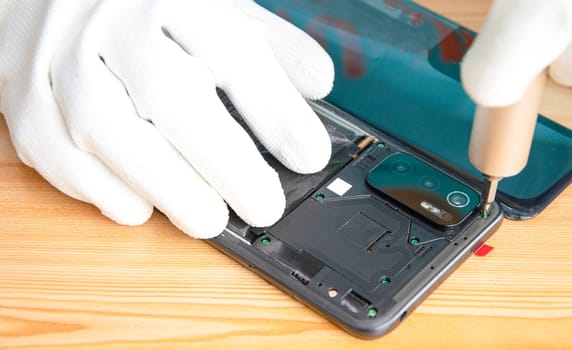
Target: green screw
265,240
414,240
320,197
372,312
386,281
381,145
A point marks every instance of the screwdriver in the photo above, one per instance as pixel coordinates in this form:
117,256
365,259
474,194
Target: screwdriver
501,139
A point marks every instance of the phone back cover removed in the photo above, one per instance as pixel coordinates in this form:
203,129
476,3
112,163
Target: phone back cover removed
345,249
397,67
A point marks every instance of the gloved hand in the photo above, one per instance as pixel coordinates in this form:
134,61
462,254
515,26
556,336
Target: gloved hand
519,39
114,103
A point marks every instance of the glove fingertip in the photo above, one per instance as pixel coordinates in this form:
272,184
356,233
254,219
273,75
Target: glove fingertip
267,214
134,216
306,63
310,150
323,82
312,160
208,224
260,200
491,87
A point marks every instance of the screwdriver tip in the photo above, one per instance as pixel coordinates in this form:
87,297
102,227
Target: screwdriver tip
489,193
485,209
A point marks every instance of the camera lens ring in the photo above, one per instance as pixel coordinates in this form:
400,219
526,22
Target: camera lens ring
458,199
429,183
401,167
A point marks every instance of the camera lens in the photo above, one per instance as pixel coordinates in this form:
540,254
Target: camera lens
429,182
458,199
446,216
401,167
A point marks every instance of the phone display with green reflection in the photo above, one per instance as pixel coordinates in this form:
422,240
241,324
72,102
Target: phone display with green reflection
397,68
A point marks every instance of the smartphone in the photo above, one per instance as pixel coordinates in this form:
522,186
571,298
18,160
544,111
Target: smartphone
366,240
397,68
396,210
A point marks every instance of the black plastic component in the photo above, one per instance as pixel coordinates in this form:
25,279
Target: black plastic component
303,266
340,234
354,302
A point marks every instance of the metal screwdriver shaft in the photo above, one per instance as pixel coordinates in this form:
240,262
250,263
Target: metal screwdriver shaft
501,139
489,193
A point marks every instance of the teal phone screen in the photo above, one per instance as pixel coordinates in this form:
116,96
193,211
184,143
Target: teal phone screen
397,68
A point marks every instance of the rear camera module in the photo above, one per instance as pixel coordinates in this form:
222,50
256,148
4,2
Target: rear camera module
424,189
458,199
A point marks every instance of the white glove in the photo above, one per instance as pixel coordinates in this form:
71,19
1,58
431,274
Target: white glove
519,39
114,103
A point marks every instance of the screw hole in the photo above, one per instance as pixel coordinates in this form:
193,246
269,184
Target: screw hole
385,280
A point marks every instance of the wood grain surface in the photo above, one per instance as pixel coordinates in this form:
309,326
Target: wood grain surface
71,279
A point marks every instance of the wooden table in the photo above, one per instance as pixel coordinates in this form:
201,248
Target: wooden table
69,278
